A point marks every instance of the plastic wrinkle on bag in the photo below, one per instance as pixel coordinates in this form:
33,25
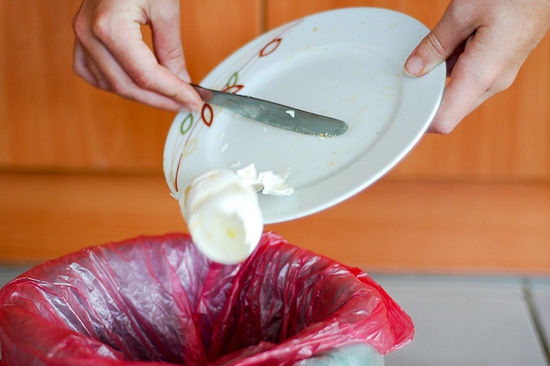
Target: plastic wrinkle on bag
159,301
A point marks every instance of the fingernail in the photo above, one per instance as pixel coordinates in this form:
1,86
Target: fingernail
414,66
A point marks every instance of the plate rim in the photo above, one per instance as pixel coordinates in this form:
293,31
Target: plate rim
439,72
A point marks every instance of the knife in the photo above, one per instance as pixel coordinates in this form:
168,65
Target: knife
274,114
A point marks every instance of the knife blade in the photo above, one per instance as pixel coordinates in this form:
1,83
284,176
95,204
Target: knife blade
274,114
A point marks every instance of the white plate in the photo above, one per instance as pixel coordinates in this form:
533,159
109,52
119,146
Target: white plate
346,63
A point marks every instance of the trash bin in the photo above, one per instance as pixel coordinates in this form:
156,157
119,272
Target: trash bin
159,301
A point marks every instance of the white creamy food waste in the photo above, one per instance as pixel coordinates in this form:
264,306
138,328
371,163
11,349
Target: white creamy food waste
222,211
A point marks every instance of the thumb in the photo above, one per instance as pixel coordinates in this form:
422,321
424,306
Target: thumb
453,28
165,24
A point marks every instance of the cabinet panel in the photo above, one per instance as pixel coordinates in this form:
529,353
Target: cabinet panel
282,11
392,226
213,29
52,120
506,138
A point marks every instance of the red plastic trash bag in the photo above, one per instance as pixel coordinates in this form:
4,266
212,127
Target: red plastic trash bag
158,300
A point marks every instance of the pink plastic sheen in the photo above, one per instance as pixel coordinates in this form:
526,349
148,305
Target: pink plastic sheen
159,301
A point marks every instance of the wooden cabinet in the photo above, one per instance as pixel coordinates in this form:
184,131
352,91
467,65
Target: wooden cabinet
79,166
52,120
507,138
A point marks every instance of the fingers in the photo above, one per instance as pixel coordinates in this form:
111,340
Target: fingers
80,65
103,83
474,79
137,60
453,28
450,62
85,67
165,24
484,43
112,77
110,54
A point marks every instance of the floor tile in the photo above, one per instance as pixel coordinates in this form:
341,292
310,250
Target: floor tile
464,321
540,290
8,273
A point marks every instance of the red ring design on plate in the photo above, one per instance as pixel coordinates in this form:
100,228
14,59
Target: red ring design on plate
233,88
207,121
177,171
270,47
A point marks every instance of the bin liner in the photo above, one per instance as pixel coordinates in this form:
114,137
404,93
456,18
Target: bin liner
156,300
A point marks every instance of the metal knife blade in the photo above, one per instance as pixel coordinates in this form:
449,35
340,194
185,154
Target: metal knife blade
274,114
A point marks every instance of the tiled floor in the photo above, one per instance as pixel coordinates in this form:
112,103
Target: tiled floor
7,273
462,320
472,320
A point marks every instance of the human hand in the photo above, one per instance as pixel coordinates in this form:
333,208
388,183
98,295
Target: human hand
110,54
485,43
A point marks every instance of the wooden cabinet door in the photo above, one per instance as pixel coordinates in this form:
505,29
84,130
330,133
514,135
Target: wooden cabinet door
476,200
507,138
50,120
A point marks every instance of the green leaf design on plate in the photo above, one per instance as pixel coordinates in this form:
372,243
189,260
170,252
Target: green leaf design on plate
187,123
233,79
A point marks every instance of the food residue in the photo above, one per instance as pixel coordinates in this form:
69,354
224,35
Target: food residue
224,147
235,164
271,183
222,210
223,215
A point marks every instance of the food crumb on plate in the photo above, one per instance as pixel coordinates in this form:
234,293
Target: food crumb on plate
224,147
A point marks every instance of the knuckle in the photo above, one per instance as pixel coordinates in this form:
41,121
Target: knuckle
174,53
436,45
484,81
498,81
457,13
121,89
488,84
177,96
78,70
169,9
445,130
142,81
101,26
504,82
75,21
173,6
441,129
80,28
105,86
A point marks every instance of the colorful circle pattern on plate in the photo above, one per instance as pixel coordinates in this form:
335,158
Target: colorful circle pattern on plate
188,128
